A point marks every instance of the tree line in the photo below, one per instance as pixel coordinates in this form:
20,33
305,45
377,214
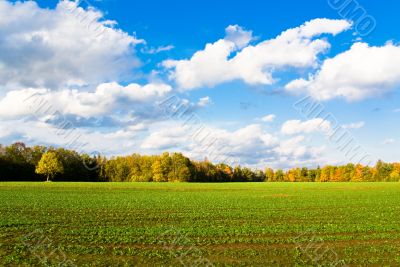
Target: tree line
19,162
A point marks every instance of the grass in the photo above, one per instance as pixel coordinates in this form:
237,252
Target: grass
241,224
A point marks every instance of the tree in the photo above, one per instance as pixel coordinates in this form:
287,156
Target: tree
358,173
237,174
158,175
313,175
368,174
269,175
248,175
394,176
18,165
325,174
181,170
259,176
279,176
162,167
224,173
383,171
49,165
349,172
294,175
304,175
338,175
17,152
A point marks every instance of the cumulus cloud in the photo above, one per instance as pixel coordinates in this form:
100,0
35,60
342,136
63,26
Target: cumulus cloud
246,145
250,145
65,46
294,153
310,126
165,139
249,136
204,101
106,99
254,64
237,35
354,125
72,61
361,72
116,142
268,118
292,147
209,66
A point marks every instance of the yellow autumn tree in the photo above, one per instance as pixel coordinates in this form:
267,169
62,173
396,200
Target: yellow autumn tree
294,175
269,175
325,174
49,166
358,173
339,174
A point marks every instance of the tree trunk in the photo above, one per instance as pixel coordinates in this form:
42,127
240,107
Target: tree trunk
48,178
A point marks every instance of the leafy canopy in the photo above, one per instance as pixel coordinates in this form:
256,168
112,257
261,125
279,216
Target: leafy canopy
49,165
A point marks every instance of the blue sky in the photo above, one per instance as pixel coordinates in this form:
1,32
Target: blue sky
224,62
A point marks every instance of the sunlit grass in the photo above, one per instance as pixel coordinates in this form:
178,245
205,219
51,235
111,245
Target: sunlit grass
226,224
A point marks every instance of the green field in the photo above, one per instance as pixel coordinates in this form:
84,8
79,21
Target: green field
182,224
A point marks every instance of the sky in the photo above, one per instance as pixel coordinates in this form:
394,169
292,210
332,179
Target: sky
267,83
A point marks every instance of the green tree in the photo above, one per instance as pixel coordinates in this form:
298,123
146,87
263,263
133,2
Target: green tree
313,175
349,172
237,174
279,176
248,175
304,175
181,168
383,171
259,176
49,165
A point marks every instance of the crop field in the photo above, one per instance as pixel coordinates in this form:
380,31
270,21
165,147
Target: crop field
182,224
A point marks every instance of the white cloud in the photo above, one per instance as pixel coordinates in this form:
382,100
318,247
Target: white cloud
254,64
361,72
83,140
239,141
170,137
268,118
247,141
292,147
354,125
237,35
249,145
107,98
388,141
204,101
157,50
49,54
207,67
314,125
297,86
61,47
